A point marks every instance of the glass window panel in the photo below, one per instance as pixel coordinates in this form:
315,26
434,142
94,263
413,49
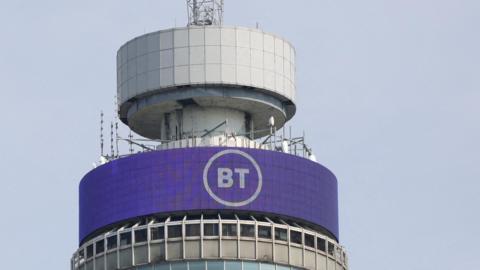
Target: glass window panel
331,248
281,234
157,233
267,266
81,254
247,230
309,240
265,232
340,256
229,229
112,242
281,267
250,266
321,244
141,236
296,237
163,266
214,265
233,265
197,265
174,231
192,229
100,247
90,251
210,229
145,267
179,266
126,239
338,252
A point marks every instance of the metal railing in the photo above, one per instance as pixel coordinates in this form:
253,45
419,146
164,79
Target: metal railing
273,142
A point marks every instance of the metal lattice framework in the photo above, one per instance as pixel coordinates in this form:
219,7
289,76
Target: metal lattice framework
205,12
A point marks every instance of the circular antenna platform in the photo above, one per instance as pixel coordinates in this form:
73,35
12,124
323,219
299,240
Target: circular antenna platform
181,72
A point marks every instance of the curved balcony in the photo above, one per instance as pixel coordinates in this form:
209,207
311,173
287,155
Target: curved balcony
210,237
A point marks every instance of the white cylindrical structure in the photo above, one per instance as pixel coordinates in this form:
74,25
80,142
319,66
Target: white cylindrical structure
214,66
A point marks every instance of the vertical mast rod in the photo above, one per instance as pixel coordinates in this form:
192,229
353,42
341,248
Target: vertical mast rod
101,133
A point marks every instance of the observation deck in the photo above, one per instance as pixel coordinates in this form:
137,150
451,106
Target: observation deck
235,241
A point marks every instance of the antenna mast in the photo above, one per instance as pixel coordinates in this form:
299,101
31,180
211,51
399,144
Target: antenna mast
101,133
205,12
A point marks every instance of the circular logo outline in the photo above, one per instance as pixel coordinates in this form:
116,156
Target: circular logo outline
222,201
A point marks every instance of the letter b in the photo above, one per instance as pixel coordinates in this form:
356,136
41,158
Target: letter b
225,179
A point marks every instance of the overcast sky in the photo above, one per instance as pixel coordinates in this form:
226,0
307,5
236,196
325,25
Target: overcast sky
388,94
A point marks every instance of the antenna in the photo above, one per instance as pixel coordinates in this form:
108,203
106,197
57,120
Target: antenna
115,113
111,140
101,133
116,137
130,138
205,12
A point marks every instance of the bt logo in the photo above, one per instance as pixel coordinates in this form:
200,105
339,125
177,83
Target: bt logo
232,178
225,177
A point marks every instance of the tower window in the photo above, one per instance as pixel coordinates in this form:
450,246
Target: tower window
175,231
229,229
281,234
210,229
265,232
125,239
247,230
321,244
192,230
90,251
100,246
198,265
331,248
157,233
81,254
141,236
233,265
112,242
215,265
251,265
296,237
309,240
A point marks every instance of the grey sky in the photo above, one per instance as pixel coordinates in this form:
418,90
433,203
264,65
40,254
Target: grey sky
388,94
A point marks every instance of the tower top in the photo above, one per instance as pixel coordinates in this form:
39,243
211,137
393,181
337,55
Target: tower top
205,12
